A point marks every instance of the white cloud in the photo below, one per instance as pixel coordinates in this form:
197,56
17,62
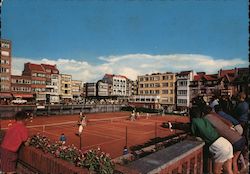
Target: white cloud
132,65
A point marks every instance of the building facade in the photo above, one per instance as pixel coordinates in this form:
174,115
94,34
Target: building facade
38,80
102,89
183,94
159,84
117,84
21,87
77,88
5,71
52,83
65,90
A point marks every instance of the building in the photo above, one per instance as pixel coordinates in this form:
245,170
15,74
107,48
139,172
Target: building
65,89
102,89
159,84
52,83
117,84
131,88
183,90
152,102
21,87
76,88
90,89
38,80
5,71
227,82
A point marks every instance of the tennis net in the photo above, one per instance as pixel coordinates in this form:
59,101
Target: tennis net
106,120
52,126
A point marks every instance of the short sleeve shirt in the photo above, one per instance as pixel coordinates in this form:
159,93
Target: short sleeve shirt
15,136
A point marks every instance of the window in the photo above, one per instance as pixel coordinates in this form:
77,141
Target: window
5,53
157,85
182,92
164,77
164,91
164,84
5,45
157,78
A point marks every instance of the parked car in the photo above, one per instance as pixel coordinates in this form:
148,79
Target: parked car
19,101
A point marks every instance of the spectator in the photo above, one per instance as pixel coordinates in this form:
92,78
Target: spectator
241,112
62,138
235,124
125,150
15,135
225,131
220,148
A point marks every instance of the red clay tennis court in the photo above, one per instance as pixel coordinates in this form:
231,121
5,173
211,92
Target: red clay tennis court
104,130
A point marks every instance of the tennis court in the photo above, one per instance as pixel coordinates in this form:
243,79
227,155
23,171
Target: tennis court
109,131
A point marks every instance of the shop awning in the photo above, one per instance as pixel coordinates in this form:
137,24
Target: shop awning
5,95
23,95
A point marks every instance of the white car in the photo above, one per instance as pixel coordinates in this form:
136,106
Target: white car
19,101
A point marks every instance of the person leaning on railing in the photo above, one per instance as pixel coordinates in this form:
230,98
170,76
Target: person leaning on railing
219,147
223,127
15,135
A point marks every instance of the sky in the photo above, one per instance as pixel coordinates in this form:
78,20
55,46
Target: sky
88,38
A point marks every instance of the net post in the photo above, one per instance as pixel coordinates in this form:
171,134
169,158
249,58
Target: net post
155,129
127,136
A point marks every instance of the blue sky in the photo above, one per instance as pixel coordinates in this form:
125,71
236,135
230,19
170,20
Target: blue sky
88,38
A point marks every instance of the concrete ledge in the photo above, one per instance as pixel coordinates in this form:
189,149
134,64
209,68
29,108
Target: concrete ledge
162,159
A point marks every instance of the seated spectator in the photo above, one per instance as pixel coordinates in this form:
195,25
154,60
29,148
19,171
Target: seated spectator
62,138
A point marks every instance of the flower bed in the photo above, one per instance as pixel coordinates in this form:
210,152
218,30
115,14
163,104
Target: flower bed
94,160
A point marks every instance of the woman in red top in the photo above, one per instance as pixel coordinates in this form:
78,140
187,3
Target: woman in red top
16,134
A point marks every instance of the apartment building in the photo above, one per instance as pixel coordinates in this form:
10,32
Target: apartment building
117,84
102,89
52,83
183,94
65,89
90,89
204,85
77,88
159,84
38,80
5,70
131,88
21,87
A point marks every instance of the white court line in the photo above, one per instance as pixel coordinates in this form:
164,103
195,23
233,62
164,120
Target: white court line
106,142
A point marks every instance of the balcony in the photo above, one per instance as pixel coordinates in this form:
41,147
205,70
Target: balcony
184,157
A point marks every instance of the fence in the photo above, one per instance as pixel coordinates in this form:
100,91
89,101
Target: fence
9,111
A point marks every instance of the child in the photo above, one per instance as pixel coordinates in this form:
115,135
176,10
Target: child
125,150
62,138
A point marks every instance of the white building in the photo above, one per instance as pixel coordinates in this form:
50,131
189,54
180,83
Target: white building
52,83
183,92
118,84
